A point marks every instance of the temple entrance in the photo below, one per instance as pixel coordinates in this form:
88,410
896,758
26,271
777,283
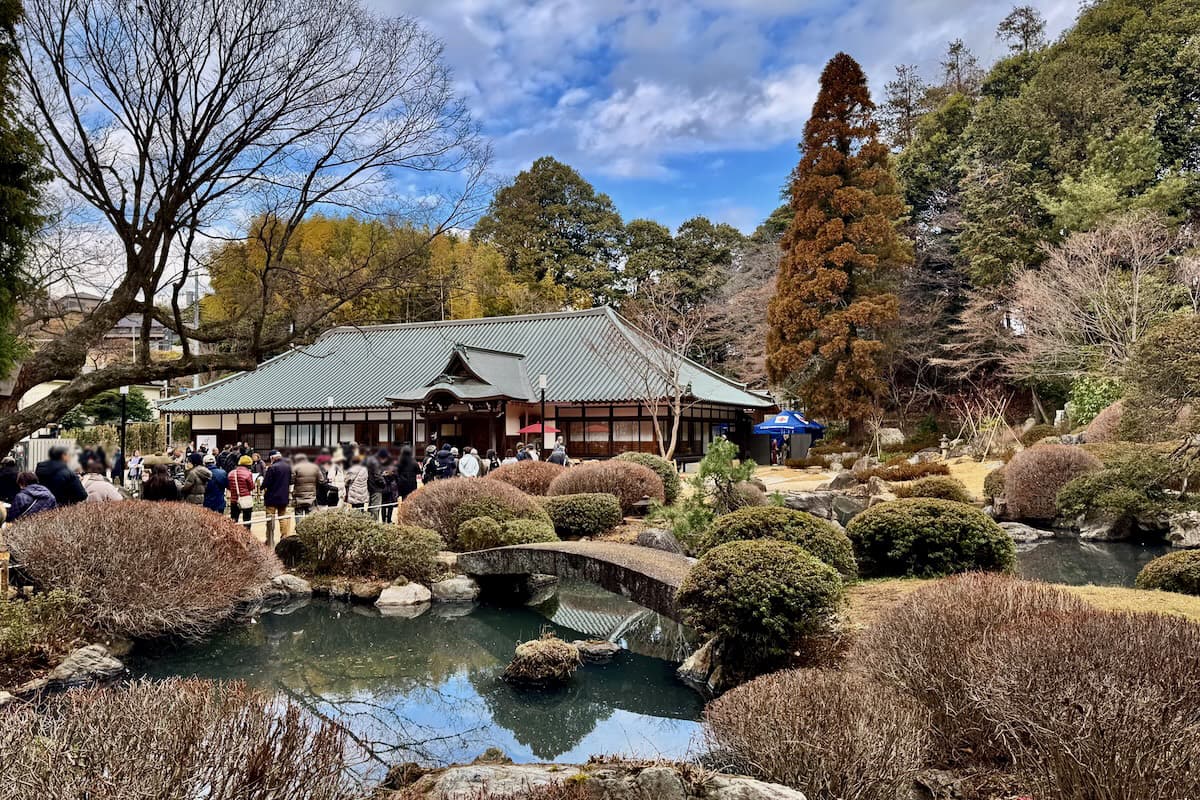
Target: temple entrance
481,431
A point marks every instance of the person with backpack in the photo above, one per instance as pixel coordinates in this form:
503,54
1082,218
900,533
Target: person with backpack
32,497
559,456
329,491
447,462
429,467
492,461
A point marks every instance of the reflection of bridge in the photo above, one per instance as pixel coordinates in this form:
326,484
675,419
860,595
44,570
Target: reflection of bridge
648,577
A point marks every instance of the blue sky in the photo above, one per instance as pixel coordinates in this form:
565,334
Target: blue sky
682,107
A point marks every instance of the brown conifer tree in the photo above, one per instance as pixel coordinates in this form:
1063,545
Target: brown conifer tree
842,257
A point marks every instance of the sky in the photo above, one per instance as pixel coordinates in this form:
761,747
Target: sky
682,107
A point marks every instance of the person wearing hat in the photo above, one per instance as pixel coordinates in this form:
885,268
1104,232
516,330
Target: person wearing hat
276,486
214,491
196,483
429,465
241,491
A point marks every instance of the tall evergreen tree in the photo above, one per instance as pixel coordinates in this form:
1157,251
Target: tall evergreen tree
842,255
21,179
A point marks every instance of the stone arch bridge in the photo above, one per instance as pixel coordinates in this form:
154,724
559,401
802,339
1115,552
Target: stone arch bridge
646,576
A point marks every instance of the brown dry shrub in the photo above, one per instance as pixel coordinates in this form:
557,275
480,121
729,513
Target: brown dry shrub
145,569
444,505
901,470
1034,476
171,739
531,477
1103,427
828,734
627,481
1078,703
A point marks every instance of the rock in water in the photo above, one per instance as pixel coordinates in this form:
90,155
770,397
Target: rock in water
459,589
86,665
409,594
548,661
659,539
596,651
1185,529
293,585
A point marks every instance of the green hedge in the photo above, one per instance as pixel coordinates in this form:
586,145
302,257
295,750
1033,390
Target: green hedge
820,538
588,514
761,597
942,487
338,542
662,467
928,538
1174,572
483,533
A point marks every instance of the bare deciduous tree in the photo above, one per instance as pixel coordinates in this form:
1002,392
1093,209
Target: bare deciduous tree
667,330
1094,297
177,121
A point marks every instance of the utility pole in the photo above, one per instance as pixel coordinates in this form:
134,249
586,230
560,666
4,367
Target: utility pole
124,418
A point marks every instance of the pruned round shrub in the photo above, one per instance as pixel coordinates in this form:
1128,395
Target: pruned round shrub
829,734
993,484
1034,476
1069,698
531,477
175,738
1038,432
1106,425
389,551
927,538
820,538
576,515
663,468
484,533
1129,487
444,505
1161,377
1174,572
626,481
761,597
327,539
942,487
145,569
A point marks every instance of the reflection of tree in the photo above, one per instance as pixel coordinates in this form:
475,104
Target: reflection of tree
428,688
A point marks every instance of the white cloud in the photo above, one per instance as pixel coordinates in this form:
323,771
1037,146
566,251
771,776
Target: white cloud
622,86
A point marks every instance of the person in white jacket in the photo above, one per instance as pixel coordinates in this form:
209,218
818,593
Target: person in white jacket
358,491
99,488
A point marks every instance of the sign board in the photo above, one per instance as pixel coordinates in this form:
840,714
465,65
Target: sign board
208,440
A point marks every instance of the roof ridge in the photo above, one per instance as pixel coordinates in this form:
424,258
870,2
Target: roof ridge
578,312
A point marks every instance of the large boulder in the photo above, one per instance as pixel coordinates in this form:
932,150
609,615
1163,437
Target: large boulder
1099,526
1184,529
82,667
846,508
1024,534
611,780
291,584
843,480
409,594
459,589
596,651
819,504
889,437
659,539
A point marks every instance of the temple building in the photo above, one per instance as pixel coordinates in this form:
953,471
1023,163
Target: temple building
589,375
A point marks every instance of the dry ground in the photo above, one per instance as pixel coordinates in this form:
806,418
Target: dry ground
782,479
869,599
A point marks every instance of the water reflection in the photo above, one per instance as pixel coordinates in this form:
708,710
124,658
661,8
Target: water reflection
428,688
1077,563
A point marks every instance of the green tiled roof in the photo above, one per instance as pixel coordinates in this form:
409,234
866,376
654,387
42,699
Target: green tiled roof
588,356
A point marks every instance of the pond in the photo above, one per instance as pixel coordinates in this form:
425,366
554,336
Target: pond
428,689
1076,563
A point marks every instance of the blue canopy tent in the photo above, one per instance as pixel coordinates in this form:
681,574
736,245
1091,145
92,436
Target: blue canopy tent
788,422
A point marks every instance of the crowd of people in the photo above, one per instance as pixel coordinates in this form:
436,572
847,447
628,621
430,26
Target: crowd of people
236,479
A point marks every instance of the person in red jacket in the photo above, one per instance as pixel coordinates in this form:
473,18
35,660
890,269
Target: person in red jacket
241,492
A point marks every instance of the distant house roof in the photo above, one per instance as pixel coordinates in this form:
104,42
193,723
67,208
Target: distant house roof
476,359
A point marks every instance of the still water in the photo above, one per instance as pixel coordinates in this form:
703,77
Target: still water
1077,563
429,689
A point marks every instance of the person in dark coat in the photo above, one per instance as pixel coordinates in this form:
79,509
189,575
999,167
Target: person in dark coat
407,470
8,479
118,467
429,468
391,490
160,486
60,479
375,465
214,490
447,464
277,482
32,497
